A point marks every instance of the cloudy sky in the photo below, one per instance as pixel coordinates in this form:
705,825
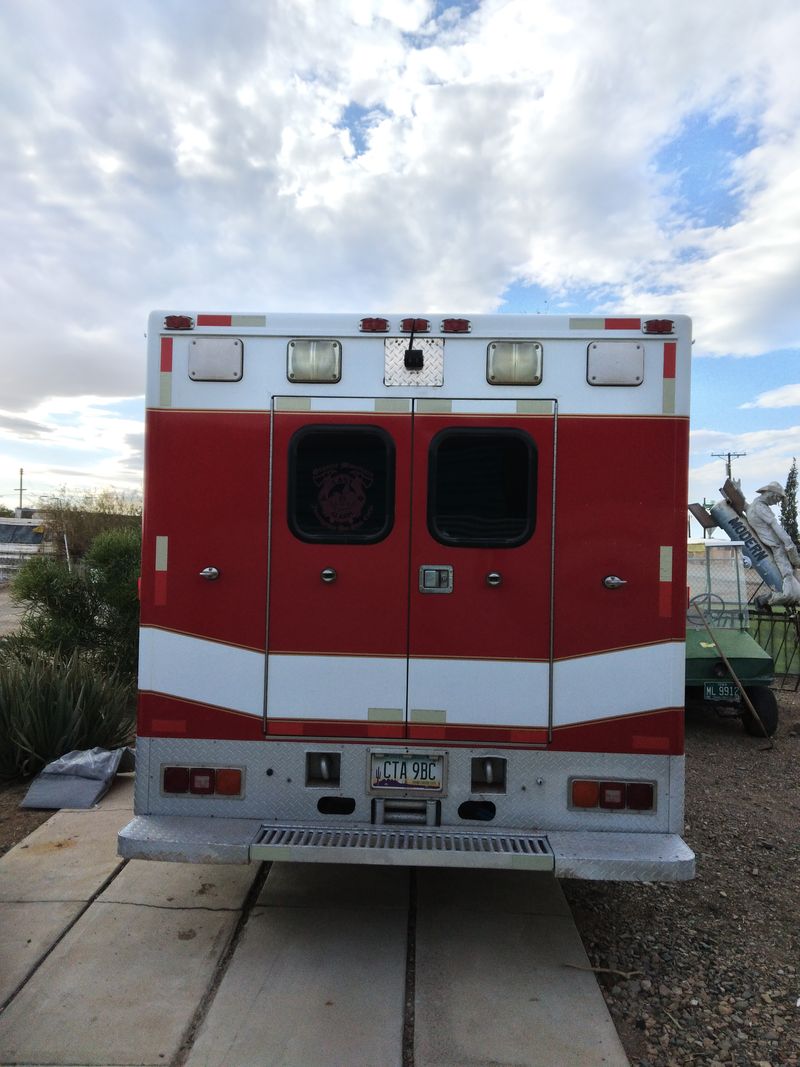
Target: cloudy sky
373,155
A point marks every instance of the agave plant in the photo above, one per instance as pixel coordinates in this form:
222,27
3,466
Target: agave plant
51,704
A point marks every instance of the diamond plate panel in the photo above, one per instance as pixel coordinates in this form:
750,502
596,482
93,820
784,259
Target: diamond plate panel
432,372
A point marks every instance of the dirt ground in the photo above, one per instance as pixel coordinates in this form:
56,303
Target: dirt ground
9,612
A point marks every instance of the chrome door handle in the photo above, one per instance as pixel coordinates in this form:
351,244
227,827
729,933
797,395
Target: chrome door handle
493,578
328,575
209,573
613,582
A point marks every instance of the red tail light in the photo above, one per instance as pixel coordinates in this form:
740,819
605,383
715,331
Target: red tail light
202,781
639,796
588,793
176,780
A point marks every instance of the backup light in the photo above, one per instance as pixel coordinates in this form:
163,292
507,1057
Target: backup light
201,780
514,363
612,795
314,361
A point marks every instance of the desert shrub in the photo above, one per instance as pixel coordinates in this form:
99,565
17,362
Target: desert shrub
77,519
93,608
51,704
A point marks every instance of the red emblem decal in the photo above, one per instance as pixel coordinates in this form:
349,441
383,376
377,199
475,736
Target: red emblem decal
342,500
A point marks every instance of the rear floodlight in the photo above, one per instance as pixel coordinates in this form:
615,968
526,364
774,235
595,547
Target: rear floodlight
314,361
514,363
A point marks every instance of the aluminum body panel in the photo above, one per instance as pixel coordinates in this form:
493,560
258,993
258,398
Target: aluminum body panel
215,359
615,363
537,784
432,370
564,343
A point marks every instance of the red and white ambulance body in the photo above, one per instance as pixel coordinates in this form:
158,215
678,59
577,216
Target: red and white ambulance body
413,592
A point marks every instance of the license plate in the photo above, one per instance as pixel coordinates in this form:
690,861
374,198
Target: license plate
406,770
720,691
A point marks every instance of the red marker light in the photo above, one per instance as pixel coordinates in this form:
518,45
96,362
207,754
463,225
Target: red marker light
415,325
374,325
456,326
178,322
658,326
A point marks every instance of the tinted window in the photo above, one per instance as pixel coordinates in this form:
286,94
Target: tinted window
482,487
341,484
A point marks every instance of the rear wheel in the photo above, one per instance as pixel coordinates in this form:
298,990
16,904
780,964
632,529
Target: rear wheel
763,700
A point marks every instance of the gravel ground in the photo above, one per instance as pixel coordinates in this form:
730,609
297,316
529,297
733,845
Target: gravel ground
708,971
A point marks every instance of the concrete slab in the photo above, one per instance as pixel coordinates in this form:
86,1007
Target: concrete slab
504,987
181,885
121,988
308,987
510,892
119,796
335,885
67,858
27,931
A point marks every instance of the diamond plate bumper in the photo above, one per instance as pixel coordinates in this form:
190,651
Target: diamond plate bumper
600,856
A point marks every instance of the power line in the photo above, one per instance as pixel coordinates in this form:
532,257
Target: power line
728,456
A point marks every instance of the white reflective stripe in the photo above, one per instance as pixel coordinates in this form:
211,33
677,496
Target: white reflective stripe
162,545
481,692
619,683
665,563
334,687
206,671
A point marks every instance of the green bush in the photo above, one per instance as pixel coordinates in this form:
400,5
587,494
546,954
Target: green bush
51,704
92,608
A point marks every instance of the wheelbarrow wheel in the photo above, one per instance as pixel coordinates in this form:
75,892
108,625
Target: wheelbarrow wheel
763,700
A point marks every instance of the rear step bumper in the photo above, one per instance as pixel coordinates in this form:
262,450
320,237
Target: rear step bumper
601,855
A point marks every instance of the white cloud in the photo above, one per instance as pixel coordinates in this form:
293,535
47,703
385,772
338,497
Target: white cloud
785,396
154,159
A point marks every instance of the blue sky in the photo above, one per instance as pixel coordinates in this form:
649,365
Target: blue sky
511,155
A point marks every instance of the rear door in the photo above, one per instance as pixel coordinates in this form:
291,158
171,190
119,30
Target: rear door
481,570
339,544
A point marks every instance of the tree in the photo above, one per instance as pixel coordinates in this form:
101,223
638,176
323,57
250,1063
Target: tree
6,513
789,504
77,520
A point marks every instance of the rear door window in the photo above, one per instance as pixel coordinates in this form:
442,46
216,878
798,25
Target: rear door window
341,484
482,487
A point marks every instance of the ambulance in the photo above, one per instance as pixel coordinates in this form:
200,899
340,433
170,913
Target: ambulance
414,592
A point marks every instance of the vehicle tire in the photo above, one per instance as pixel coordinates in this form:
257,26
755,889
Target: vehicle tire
763,700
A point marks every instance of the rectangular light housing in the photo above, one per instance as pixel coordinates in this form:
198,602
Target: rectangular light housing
514,363
314,360
592,793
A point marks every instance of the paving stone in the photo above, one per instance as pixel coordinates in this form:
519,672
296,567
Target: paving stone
121,988
334,885
506,988
67,858
27,931
182,885
526,892
311,987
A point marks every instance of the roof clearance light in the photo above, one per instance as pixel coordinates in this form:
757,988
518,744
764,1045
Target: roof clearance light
374,325
456,326
658,326
514,363
178,322
314,360
415,325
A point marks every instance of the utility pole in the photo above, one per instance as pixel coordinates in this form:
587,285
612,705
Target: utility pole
728,456
20,488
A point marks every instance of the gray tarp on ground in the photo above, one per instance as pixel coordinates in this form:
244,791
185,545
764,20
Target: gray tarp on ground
78,779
